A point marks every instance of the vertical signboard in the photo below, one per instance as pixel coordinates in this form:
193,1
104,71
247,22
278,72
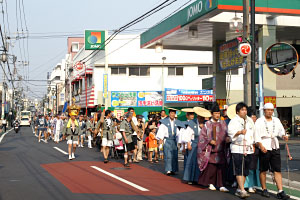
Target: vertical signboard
105,86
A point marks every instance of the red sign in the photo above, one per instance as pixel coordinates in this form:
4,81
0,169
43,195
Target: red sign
270,99
150,103
190,98
245,49
78,66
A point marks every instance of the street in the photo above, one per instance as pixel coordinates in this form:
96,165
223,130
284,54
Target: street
32,170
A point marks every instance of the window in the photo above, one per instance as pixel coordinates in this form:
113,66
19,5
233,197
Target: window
139,71
118,70
175,71
89,80
205,70
75,47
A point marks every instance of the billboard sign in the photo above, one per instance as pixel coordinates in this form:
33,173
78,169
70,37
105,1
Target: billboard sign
229,56
188,96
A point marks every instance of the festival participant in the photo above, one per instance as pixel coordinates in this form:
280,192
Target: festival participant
82,126
90,126
141,127
190,137
212,153
72,130
241,130
170,131
107,134
135,134
58,127
268,128
127,131
152,144
252,180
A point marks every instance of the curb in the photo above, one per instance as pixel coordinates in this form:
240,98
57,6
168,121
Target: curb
295,185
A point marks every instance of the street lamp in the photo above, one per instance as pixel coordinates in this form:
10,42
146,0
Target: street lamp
236,24
159,48
4,57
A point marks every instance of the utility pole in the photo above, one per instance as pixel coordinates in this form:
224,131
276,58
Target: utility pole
163,83
3,96
253,56
247,75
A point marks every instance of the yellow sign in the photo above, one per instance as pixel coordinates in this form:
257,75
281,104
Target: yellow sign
105,86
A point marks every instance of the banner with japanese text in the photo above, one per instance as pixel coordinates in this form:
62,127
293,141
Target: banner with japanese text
136,99
188,96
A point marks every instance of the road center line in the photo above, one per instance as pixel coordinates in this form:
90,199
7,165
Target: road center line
62,151
120,179
1,138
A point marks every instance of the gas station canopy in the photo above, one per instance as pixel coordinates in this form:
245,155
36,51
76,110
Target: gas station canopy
209,19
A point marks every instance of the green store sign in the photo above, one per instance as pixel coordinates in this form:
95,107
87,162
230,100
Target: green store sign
94,40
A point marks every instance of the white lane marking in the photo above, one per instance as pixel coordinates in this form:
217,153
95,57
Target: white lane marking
292,197
120,179
62,151
1,138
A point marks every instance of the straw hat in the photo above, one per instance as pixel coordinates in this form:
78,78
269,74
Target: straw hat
171,108
231,111
188,110
202,112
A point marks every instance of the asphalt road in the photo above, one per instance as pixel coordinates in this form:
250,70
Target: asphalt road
38,171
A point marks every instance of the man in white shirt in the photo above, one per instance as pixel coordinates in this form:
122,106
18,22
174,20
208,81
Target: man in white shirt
241,130
268,128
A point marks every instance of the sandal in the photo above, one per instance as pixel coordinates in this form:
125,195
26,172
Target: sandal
156,161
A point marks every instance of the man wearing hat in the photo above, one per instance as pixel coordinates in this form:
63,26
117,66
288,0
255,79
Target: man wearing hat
170,130
190,137
267,129
72,130
212,152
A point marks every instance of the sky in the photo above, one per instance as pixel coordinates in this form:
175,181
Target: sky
66,17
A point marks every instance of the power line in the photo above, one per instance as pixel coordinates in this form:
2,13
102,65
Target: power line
135,21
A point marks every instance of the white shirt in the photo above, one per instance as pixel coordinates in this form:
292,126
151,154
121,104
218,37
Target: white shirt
163,132
238,145
134,119
267,132
58,125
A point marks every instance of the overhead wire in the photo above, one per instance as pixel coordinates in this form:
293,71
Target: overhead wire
133,22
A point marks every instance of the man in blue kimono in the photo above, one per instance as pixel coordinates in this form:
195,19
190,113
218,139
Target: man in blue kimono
189,140
168,133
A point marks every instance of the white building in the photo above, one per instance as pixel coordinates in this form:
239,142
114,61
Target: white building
132,69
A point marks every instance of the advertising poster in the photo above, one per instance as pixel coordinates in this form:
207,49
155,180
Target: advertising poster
188,96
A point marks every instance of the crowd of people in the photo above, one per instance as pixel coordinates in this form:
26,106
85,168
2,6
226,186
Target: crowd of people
236,148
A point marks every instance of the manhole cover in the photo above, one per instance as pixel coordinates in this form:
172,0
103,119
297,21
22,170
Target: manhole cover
120,168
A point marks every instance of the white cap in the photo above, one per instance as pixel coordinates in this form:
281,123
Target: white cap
268,106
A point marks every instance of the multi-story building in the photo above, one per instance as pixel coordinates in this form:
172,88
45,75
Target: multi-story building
141,78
